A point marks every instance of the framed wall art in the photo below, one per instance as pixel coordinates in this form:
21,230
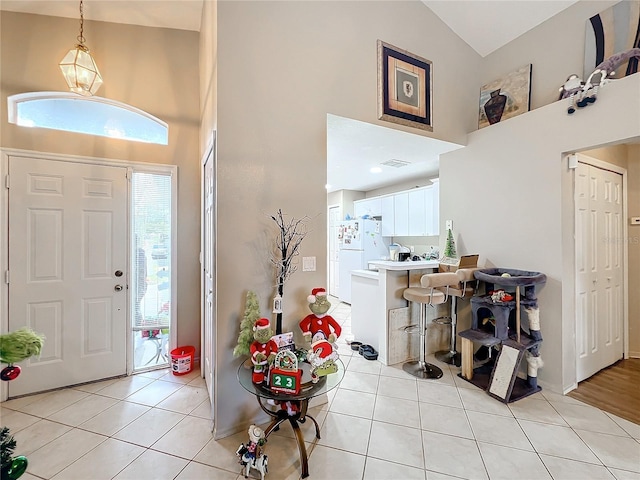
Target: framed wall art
404,87
613,30
505,97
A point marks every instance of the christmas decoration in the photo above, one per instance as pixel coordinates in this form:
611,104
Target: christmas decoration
250,454
263,349
17,346
251,314
450,246
11,468
288,243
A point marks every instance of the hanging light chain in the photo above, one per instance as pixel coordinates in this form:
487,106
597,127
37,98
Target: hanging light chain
81,38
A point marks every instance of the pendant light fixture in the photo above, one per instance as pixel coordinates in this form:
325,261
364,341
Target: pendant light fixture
78,67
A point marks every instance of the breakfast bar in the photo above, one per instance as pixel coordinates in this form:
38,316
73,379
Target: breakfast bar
379,312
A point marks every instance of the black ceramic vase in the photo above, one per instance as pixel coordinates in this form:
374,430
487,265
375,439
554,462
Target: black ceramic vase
494,107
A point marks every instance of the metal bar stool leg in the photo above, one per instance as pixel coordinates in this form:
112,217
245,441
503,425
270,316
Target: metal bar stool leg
451,357
421,368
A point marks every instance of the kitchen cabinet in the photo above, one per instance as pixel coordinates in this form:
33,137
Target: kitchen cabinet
434,208
418,208
401,214
410,213
388,216
368,206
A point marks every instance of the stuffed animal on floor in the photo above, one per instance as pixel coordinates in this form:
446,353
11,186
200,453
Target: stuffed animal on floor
15,347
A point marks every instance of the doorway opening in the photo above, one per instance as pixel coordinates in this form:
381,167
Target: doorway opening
150,279
600,264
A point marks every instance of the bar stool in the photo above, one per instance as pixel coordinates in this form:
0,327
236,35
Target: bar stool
465,287
428,295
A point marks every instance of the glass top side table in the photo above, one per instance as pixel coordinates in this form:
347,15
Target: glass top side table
293,407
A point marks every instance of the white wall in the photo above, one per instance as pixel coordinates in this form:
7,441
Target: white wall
149,68
514,202
282,66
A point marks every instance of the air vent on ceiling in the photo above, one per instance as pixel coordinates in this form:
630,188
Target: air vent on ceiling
395,163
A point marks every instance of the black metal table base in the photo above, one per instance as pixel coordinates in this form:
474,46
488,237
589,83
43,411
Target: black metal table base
301,416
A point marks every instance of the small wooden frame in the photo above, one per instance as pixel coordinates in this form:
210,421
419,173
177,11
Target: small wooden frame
505,371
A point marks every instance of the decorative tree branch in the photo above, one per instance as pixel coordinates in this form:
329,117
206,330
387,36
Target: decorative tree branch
288,241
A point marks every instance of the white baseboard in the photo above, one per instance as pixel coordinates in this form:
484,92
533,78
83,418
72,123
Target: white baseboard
260,419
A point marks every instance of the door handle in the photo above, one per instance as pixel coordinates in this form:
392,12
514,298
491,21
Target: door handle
117,288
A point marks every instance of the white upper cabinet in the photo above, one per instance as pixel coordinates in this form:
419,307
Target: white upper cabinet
368,206
401,214
417,212
410,213
434,208
388,216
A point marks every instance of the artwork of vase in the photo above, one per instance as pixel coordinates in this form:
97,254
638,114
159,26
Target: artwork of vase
494,107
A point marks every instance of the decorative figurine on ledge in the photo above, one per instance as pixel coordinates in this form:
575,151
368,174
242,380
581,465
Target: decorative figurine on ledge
263,349
250,455
581,93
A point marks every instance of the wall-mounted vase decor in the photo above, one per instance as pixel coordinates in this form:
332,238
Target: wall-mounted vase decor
505,97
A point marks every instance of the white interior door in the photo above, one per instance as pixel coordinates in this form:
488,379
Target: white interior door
599,269
208,257
334,251
68,269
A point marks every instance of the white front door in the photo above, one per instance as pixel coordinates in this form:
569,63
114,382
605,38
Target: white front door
334,251
68,269
208,250
599,269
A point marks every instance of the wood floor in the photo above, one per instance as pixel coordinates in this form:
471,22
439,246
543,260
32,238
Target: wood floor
615,389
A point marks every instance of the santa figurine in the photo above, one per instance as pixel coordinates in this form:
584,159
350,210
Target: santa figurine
318,325
263,349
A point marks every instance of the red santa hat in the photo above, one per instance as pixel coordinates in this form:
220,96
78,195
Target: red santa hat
316,292
261,324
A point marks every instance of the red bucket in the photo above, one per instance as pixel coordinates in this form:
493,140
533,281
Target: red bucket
182,360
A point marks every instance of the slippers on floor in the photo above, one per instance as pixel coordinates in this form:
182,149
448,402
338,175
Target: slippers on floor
368,352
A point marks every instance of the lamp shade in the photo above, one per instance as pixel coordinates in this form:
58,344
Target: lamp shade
80,71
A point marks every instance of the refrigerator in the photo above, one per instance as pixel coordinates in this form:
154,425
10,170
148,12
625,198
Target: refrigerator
360,241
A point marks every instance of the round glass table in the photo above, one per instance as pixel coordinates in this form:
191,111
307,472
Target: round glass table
293,408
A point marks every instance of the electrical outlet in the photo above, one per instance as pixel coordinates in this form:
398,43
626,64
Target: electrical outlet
308,264
449,225
634,221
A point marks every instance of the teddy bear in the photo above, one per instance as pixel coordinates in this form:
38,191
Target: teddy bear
263,349
318,325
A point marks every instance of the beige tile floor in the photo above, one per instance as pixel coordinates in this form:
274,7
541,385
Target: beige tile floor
379,424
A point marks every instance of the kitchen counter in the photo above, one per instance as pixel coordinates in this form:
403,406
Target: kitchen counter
379,311
372,274
410,265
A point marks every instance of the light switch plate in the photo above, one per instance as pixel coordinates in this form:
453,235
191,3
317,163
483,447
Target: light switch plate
634,221
449,225
308,264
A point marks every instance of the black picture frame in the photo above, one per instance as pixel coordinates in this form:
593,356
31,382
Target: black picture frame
404,87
